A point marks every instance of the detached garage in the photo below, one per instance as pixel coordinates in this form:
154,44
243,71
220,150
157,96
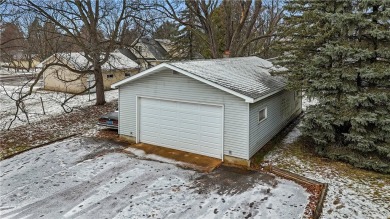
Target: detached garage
222,108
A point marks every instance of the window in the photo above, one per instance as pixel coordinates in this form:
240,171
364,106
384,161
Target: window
127,74
262,114
110,76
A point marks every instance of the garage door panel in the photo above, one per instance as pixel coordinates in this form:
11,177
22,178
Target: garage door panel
211,149
188,121
185,113
155,120
207,119
168,130
150,110
190,137
185,124
213,114
168,139
206,140
148,119
188,143
167,121
151,129
151,138
189,132
211,125
190,127
167,110
209,129
189,116
209,135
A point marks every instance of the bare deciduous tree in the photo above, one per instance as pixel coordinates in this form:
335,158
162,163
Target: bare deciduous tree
239,23
94,27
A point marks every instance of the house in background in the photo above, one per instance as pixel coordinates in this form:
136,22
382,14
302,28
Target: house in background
151,52
222,108
19,61
60,78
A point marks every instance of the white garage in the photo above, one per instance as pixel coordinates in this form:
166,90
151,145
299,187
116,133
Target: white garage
222,108
187,126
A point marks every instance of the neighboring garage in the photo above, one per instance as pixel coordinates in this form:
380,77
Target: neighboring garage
223,108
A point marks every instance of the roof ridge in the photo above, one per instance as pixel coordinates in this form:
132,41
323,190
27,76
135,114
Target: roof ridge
218,59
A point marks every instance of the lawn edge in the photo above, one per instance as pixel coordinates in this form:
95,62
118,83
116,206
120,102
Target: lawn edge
36,146
304,181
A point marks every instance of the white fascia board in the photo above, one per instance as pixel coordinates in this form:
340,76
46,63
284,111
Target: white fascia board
265,96
246,98
137,76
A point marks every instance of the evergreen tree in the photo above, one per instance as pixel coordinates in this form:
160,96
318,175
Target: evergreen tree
11,38
34,38
188,42
50,39
338,52
165,31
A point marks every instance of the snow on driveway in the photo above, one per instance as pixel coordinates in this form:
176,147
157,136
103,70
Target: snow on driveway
90,178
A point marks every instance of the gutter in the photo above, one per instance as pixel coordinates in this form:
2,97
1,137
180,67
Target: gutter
265,96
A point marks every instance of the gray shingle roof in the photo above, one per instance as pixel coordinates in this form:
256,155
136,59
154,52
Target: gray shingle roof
155,48
249,76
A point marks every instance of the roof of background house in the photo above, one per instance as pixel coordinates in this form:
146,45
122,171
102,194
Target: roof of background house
155,48
128,53
245,77
177,53
116,61
167,44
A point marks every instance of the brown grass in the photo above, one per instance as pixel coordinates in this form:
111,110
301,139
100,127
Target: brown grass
28,136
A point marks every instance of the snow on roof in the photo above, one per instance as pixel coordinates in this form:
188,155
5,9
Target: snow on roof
245,77
78,60
249,76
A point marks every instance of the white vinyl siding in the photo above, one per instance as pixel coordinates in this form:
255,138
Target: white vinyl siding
280,109
166,85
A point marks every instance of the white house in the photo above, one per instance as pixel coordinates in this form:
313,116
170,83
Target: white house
223,108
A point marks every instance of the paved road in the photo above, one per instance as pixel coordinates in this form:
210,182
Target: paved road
15,80
91,178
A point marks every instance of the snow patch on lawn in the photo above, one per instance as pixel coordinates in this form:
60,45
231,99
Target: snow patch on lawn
292,136
346,197
51,105
306,102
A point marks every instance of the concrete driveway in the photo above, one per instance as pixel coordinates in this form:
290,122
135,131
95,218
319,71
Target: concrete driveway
92,178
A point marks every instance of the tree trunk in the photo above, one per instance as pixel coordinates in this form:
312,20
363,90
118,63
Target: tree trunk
100,98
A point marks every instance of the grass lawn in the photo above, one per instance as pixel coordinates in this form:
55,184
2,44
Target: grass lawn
353,192
28,136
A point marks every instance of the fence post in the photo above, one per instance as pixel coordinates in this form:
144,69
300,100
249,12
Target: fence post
43,108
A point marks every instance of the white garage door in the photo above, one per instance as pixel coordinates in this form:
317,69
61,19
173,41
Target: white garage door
191,127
